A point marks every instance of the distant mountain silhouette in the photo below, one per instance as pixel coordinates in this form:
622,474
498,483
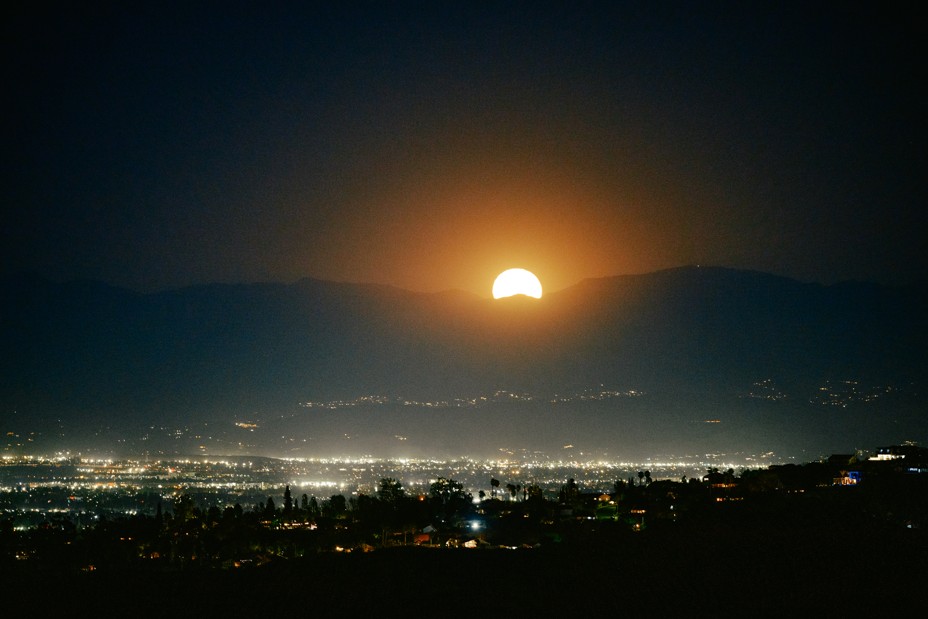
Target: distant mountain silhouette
692,338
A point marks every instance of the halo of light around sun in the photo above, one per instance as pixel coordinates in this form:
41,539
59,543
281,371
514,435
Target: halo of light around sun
516,281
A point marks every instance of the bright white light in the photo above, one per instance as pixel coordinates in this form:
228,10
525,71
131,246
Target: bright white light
516,281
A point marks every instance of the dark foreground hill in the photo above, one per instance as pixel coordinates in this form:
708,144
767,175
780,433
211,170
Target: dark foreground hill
733,574
702,344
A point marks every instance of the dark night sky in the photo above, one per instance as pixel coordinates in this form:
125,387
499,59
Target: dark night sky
431,145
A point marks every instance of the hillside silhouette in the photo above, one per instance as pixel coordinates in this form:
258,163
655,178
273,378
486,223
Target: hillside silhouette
693,339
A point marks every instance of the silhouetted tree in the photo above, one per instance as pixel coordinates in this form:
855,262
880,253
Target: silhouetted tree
288,500
183,508
270,510
338,505
391,491
512,490
446,490
569,493
618,490
534,497
448,496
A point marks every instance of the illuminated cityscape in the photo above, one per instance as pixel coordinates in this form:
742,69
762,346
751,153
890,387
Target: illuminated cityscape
34,489
68,484
173,519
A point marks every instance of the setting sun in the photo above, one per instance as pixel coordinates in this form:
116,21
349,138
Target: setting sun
516,281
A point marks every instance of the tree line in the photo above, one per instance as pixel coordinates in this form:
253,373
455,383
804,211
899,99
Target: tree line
186,533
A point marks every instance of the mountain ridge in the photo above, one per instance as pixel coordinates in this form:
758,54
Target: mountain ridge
690,337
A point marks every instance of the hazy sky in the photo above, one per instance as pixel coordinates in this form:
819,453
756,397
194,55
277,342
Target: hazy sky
431,145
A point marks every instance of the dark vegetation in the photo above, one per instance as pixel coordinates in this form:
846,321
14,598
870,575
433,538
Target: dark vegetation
789,540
